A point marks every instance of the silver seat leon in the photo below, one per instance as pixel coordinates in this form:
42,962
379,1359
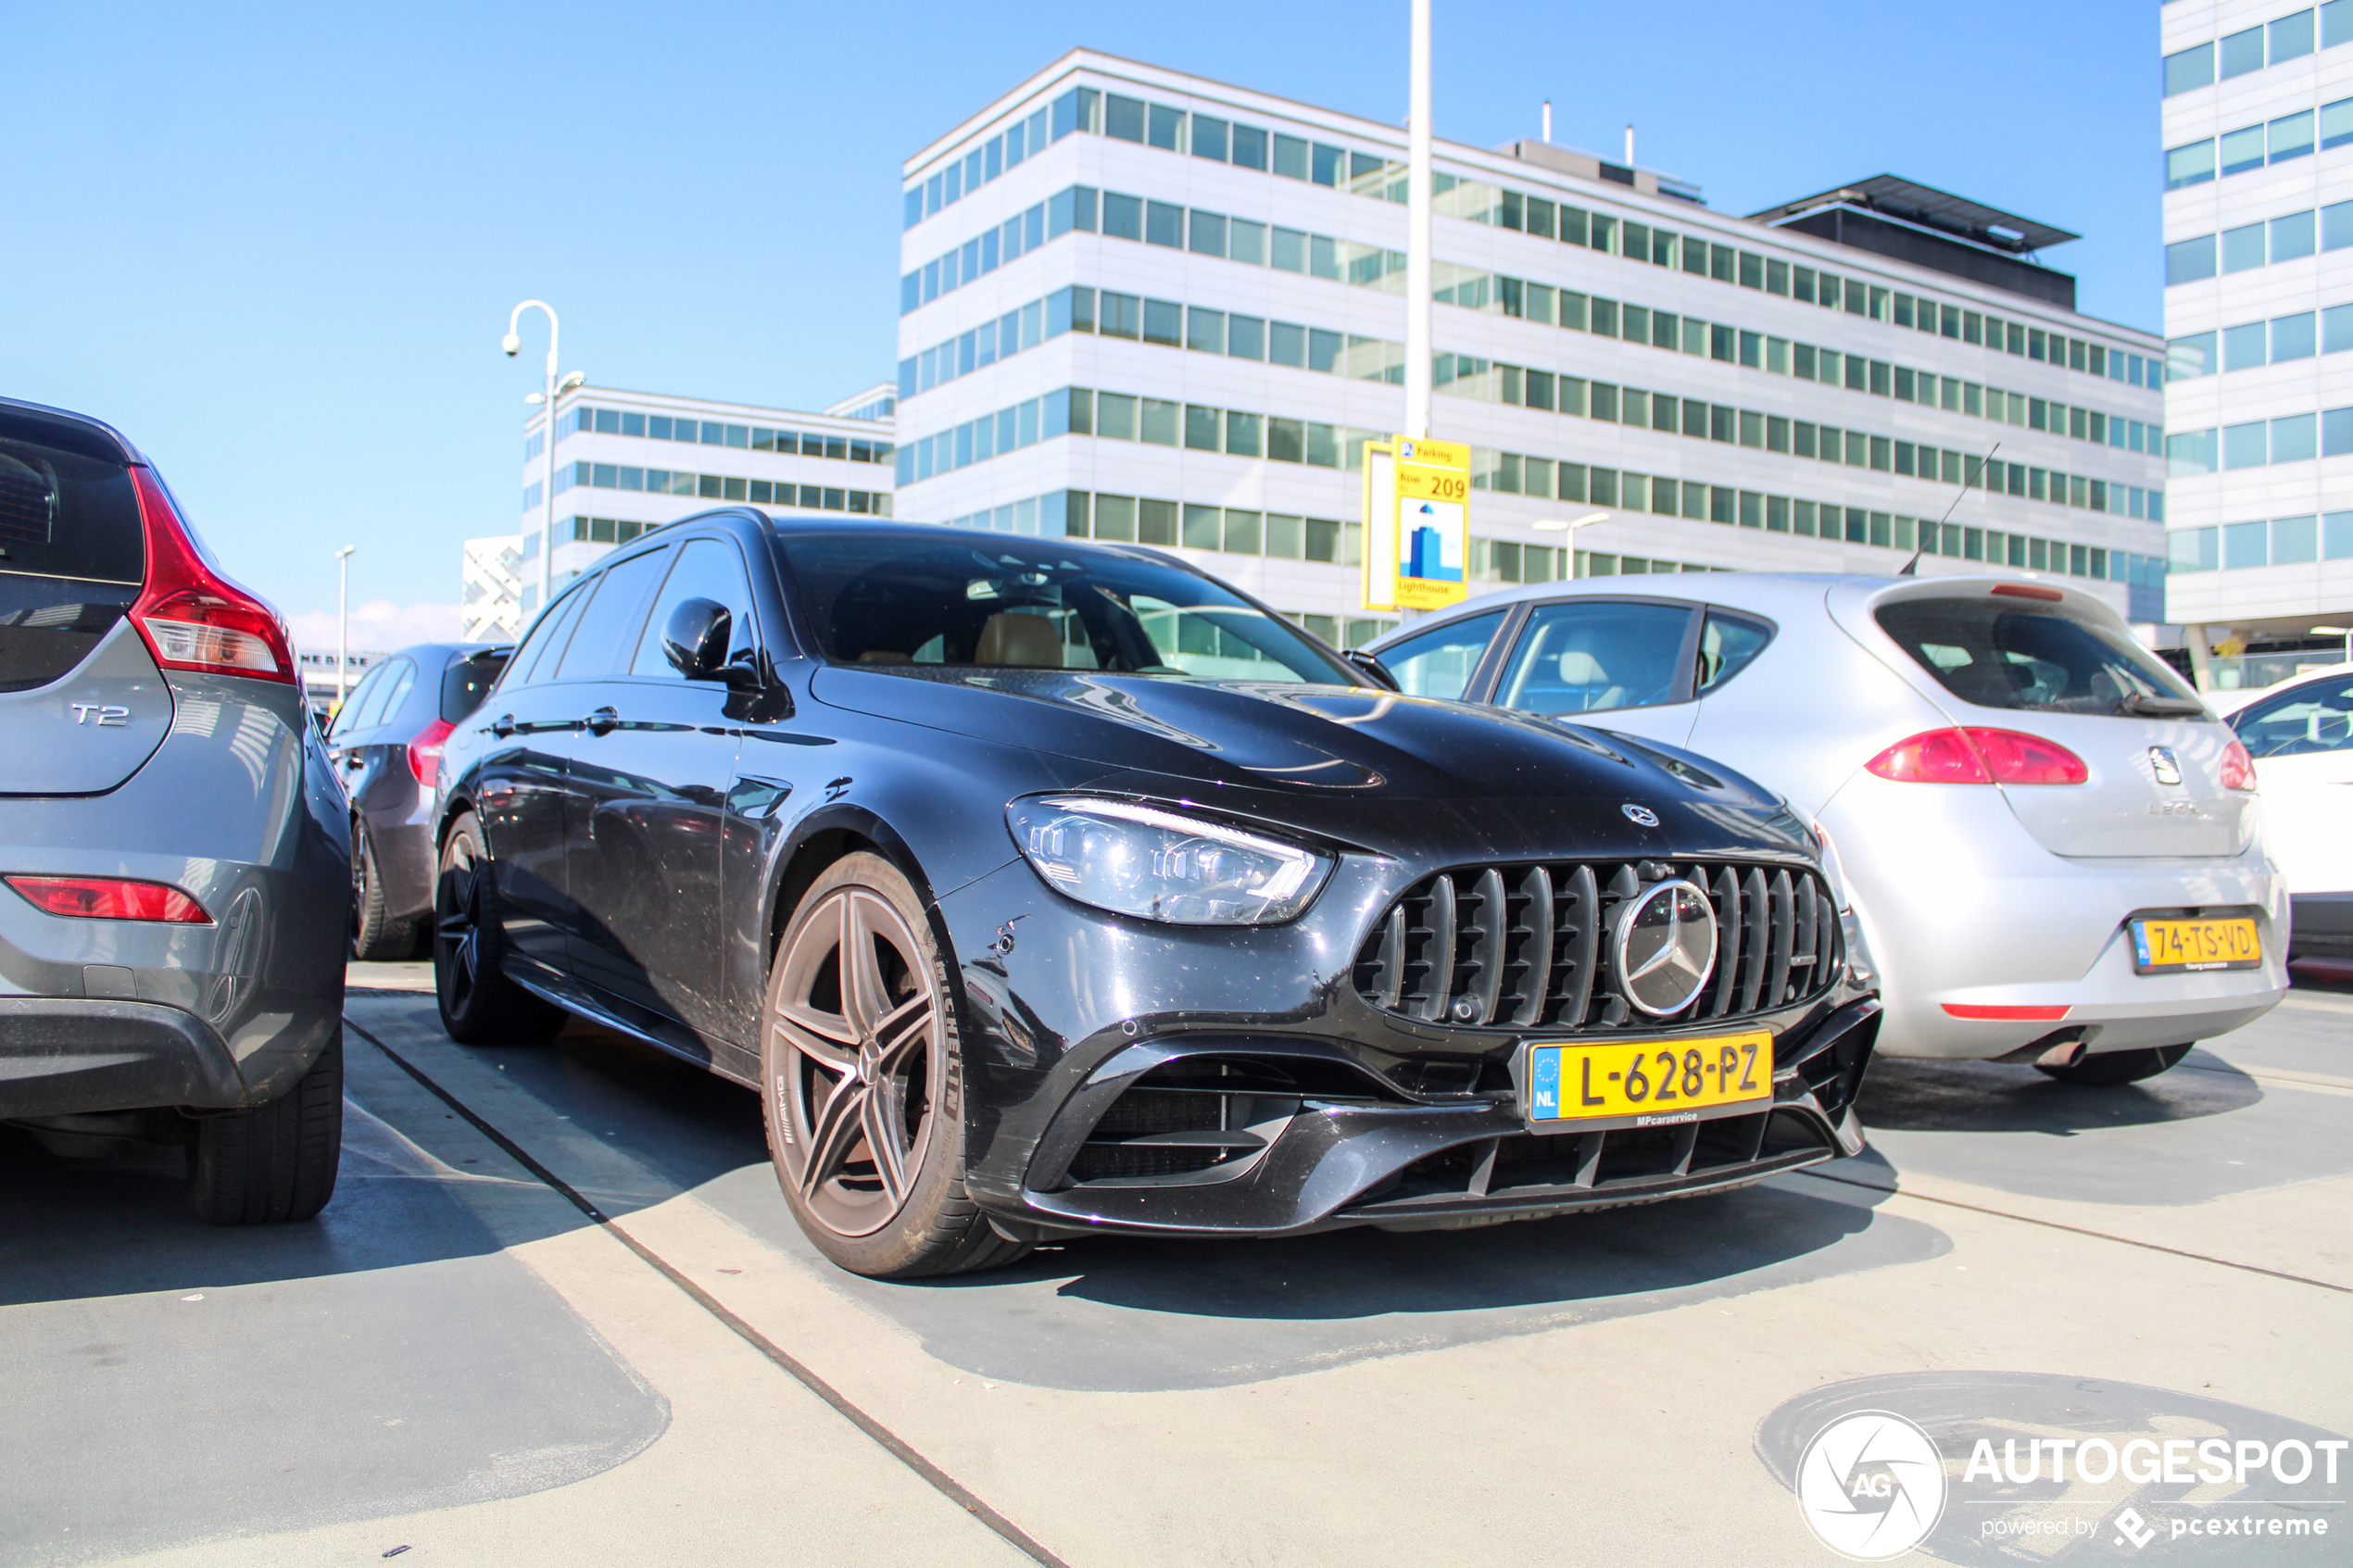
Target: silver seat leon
174,846
2054,851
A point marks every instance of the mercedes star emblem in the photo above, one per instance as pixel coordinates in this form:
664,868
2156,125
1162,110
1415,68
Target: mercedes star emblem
1640,816
1665,947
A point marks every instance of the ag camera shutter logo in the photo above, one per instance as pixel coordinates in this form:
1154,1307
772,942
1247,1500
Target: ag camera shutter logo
1871,1485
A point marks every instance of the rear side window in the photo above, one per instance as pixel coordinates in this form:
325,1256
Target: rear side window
1728,644
73,550
379,697
1439,662
356,701
607,631
1587,655
1995,653
545,641
2314,718
467,681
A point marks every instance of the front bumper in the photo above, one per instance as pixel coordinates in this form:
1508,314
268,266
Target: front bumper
1326,1161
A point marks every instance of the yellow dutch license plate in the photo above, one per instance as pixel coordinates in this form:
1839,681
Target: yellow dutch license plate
1645,1083
2173,947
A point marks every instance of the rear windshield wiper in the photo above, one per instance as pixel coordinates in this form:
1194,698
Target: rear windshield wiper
2148,704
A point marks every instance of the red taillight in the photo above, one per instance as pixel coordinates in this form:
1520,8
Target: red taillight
1934,756
1979,755
2018,759
2006,1015
2238,769
2029,591
425,752
109,897
192,617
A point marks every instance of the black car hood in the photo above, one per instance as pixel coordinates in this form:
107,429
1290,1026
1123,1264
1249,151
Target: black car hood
1357,764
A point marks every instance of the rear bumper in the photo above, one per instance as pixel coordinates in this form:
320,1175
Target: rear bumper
1976,915
64,1055
1443,1162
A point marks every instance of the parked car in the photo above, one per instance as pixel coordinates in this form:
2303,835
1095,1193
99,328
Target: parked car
386,738
1045,888
2054,850
171,835
2301,737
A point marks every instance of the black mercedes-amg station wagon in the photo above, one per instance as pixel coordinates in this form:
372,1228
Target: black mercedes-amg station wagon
1047,888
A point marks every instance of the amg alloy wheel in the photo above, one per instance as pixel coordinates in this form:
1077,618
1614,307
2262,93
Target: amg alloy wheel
862,1083
479,1004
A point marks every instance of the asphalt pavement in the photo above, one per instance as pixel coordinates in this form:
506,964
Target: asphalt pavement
558,1314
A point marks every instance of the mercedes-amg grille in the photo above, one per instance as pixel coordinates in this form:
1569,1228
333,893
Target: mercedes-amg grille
1529,946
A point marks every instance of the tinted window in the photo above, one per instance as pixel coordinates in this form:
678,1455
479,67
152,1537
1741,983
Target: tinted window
1016,603
707,569
1439,662
608,628
65,510
1994,653
1591,655
356,701
384,697
545,641
2314,718
72,549
467,680
1727,643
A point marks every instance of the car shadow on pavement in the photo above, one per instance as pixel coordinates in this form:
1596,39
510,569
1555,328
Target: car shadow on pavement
1134,1314
1902,1095
118,1224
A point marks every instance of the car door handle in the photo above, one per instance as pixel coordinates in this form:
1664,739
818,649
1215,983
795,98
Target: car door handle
503,726
604,721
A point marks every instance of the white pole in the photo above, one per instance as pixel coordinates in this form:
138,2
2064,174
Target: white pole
547,403
1548,122
1629,146
1417,207
343,624
547,513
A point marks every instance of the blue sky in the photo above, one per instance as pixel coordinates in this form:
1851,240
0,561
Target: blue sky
277,244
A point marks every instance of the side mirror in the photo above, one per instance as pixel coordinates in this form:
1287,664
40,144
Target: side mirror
695,640
1372,668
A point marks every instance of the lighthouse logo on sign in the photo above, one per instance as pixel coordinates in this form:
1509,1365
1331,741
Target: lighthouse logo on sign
1871,1485
1433,541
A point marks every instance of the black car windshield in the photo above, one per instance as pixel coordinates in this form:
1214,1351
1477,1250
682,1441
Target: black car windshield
1998,653
950,600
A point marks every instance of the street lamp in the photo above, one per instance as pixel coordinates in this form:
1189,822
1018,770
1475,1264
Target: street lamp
512,344
1570,526
343,623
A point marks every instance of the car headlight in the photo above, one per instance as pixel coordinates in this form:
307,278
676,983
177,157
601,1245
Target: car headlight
1137,859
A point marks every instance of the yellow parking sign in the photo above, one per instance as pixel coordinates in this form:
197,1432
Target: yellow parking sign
1417,523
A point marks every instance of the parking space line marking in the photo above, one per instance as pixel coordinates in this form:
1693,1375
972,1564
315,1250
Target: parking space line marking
890,1441
2077,1230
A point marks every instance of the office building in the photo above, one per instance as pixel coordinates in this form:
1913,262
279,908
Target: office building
630,461
2259,308
490,589
1138,305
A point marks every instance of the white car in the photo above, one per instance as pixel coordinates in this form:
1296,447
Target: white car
2053,850
2301,736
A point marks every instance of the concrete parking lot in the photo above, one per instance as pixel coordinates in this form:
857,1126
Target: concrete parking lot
558,1314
